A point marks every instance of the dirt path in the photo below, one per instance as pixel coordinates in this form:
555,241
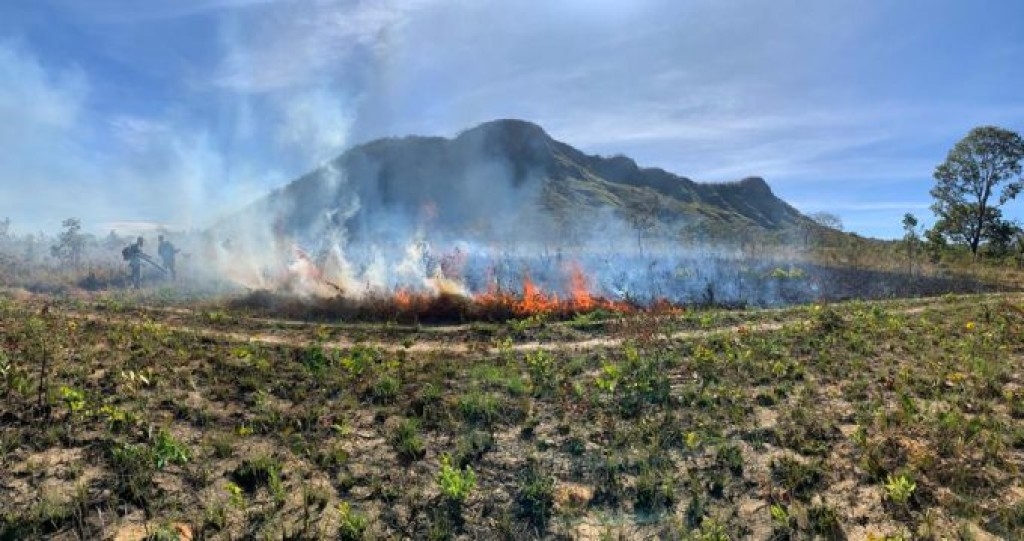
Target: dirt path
456,344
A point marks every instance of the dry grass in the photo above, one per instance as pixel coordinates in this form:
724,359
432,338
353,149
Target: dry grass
710,424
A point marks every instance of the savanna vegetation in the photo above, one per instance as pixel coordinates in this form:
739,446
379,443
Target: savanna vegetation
860,420
168,413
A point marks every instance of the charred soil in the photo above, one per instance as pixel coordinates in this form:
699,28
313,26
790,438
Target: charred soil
847,420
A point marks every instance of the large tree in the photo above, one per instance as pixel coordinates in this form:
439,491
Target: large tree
981,173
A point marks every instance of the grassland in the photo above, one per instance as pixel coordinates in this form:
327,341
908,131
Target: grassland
131,419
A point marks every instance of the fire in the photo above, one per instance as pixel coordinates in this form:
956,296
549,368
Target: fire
445,294
579,290
403,299
535,301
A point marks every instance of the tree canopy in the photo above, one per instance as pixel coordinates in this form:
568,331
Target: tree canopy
981,173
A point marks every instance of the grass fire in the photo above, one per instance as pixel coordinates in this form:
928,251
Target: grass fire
449,270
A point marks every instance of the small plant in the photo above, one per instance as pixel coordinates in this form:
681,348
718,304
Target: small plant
12,377
260,471
899,488
799,479
167,450
536,496
358,361
824,521
385,389
781,519
135,464
222,445
407,441
235,495
73,398
730,457
163,533
351,523
315,359
540,365
332,457
472,446
692,441
478,407
609,377
654,491
131,379
710,530
456,484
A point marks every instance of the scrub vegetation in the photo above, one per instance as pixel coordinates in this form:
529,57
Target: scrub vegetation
132,418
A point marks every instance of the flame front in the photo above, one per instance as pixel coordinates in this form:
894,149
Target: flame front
582,300
420,282
535,301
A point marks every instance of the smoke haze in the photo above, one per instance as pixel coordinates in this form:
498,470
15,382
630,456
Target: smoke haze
179,114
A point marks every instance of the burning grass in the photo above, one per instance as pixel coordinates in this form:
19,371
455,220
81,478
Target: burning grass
417,307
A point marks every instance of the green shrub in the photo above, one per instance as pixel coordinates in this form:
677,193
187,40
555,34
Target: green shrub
456,484
799,479
407,441
167,450
352,524
536,496
259,471
899,488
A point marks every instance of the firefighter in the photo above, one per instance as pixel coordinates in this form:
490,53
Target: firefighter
133,254
166,251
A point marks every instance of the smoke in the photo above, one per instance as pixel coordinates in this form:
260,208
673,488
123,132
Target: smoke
472,216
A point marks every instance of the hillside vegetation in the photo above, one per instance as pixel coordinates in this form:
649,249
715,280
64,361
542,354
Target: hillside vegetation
483,183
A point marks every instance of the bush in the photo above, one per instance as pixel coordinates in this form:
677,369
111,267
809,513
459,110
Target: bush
456,484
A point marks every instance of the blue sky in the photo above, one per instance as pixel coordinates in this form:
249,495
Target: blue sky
130,112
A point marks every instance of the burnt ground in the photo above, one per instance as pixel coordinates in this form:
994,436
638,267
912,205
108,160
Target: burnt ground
850,420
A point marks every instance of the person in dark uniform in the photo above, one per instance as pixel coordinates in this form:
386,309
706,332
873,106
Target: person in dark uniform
166,251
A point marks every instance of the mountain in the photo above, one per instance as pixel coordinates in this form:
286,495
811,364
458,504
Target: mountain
508,180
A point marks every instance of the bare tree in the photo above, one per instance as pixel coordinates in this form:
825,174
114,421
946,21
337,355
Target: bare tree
910,238
643,217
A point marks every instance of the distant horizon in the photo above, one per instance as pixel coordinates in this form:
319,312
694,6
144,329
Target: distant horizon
130,227
175,113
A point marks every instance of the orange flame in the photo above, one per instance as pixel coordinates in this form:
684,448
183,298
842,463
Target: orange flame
579,290
403,299
534,300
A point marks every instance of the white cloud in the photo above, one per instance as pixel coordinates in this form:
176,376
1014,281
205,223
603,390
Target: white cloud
283,47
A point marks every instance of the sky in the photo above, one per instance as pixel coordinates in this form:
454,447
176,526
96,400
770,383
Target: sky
127,113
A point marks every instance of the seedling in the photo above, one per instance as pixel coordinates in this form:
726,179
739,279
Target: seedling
456,484
899,488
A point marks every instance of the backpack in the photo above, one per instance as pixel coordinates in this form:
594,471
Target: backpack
126,253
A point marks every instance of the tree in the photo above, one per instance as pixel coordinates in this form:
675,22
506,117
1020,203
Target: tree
910,237
70,243
986,161
643,216
827,219
113,241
